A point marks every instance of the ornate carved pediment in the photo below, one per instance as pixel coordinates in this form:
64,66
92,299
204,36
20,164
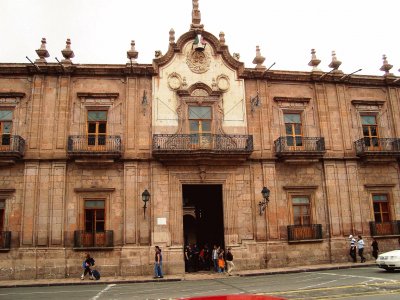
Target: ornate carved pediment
367,104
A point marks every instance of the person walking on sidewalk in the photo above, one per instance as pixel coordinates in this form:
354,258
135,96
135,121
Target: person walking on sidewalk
360,246
87,263
214,255
353,252
158,263
229,262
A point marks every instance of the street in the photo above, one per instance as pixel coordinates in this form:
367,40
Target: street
354,283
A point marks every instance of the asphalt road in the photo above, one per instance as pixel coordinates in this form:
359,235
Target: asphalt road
357,283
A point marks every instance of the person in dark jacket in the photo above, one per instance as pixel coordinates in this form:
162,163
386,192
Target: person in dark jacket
375,249
229,262
86,265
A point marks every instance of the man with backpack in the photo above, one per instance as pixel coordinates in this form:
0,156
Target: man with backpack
87,263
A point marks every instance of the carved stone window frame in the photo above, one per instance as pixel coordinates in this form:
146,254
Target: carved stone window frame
381,188
297,105
200,94
96,101
84,194
301,190
11,101
368,107
5,195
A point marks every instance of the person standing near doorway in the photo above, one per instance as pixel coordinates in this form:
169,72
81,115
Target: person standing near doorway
360,246
214,255
229,261
158,263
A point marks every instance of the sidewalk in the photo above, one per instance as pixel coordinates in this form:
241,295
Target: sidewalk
187,276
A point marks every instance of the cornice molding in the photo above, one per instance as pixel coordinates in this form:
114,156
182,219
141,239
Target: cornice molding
12,95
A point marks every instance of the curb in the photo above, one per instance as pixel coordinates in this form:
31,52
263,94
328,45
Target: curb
106,282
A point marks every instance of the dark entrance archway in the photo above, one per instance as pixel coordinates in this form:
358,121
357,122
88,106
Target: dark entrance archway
203,219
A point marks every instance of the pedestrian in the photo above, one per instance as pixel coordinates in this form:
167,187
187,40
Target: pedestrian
229,262
375,248
353,248
221,262
214,255
86,265
360,246
158,263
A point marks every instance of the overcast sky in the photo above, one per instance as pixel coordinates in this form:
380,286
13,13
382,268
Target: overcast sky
360,31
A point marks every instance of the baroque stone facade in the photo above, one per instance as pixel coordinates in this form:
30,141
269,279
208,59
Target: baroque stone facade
81,143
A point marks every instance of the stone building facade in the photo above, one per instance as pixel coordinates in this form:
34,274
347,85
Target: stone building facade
203,135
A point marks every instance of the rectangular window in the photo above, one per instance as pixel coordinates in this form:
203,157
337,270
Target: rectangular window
381,208
200,126
301,210
293,127
94,216
97,128
5,126
370,131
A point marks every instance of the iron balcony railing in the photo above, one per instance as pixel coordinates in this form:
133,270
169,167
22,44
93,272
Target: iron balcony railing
222,143
83,239
12,144
5,240
382,146
304,232
285,144
92,144
384,228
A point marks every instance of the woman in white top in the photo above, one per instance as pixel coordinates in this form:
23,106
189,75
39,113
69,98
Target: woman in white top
360,246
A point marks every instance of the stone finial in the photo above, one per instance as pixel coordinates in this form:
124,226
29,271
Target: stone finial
222,38
42,52
157,53
132,54
196,16
314,62
236,56
335,63
386,66
171,36
258,60
67,53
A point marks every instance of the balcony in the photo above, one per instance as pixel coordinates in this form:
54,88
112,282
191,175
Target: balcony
94,149
5,240
202,147
300,149
304,233
12,148
88,240
378,149
391,228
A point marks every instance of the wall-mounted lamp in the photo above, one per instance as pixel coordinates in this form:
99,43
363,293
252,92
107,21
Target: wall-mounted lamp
145,198
255,102
263,204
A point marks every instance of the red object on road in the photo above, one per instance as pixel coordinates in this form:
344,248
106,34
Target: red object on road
235,297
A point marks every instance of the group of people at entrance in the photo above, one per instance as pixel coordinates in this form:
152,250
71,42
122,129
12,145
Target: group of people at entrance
358,244
204,259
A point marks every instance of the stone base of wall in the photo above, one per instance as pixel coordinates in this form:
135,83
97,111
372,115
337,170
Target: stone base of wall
29,263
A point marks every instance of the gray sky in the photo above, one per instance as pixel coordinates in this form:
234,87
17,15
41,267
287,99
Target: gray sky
360,31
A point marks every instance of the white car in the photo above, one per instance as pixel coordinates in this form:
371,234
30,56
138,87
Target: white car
389,260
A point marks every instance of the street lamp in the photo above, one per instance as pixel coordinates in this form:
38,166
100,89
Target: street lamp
145,198
263,204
